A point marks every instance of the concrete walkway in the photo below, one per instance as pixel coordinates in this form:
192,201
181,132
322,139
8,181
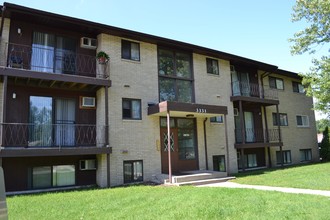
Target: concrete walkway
269,188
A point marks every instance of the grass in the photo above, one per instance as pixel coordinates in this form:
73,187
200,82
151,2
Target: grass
314,176
158,202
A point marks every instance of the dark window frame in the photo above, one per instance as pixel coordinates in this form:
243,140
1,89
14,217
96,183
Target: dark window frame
131,180
273,82
210,67
216,163
275,119
131,109
301,120
306,154
295,87
126,44
216,121
285,157
174,76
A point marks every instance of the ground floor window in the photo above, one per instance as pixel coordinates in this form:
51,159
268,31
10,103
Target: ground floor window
286,157
53,176
219,163
133,171
305,155
250,160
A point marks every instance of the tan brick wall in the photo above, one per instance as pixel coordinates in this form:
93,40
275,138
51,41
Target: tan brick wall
214,90
294,138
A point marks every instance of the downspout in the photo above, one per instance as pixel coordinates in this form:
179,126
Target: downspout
205,145
2,19
106,88
227,150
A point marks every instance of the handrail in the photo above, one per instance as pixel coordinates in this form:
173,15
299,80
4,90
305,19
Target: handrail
253,90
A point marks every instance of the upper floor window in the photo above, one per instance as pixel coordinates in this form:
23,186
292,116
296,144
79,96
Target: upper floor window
276,83
175,76
53,54
302,121
217,119
130,50
297,87
283,119
212,66
132,109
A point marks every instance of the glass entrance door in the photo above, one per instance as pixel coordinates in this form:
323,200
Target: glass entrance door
183,145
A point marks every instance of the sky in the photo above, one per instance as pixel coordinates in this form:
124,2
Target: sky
255,29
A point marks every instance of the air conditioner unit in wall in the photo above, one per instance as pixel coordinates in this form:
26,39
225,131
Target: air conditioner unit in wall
88,43
87,164
87,102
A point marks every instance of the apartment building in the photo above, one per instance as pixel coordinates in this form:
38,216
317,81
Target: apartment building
68,121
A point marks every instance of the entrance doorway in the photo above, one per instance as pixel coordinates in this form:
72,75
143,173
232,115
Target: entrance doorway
183,146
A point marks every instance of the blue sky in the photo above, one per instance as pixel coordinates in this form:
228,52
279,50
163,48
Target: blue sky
256,29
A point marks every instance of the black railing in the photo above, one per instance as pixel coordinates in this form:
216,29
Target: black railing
257,135
48,59
253,90
51,135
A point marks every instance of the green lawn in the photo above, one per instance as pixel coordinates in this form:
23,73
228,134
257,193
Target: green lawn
159,202
313,176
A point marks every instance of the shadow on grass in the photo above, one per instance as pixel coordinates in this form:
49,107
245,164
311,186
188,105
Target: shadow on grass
270,170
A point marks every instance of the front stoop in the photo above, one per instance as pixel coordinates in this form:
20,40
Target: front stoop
199,178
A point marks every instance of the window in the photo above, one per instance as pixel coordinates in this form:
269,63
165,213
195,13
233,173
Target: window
217,119
219,163
175,76
250,160
53,54
133,171
297,87
53,176
302,121
276,83
305,155
132,109
130,50
283,119
286,157
212,66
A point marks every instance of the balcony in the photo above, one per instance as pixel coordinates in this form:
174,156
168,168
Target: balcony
42,66
20,139
257,137
253,90
50,60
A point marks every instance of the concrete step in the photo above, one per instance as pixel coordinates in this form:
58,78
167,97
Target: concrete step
205,181
198,176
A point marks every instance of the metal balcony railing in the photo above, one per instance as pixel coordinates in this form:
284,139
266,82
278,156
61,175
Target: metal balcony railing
253,90
257,135
51,135
49,59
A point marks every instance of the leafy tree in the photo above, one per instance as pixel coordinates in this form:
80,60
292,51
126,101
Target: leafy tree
317,15
322,124
325,146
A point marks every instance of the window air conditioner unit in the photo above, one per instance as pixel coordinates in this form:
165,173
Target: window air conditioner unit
88,102
88,43
235,111
87,164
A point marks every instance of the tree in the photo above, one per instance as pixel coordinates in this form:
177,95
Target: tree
325,146
322,124
317,15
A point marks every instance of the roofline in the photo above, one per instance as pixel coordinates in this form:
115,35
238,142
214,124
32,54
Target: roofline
103,28
288,74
